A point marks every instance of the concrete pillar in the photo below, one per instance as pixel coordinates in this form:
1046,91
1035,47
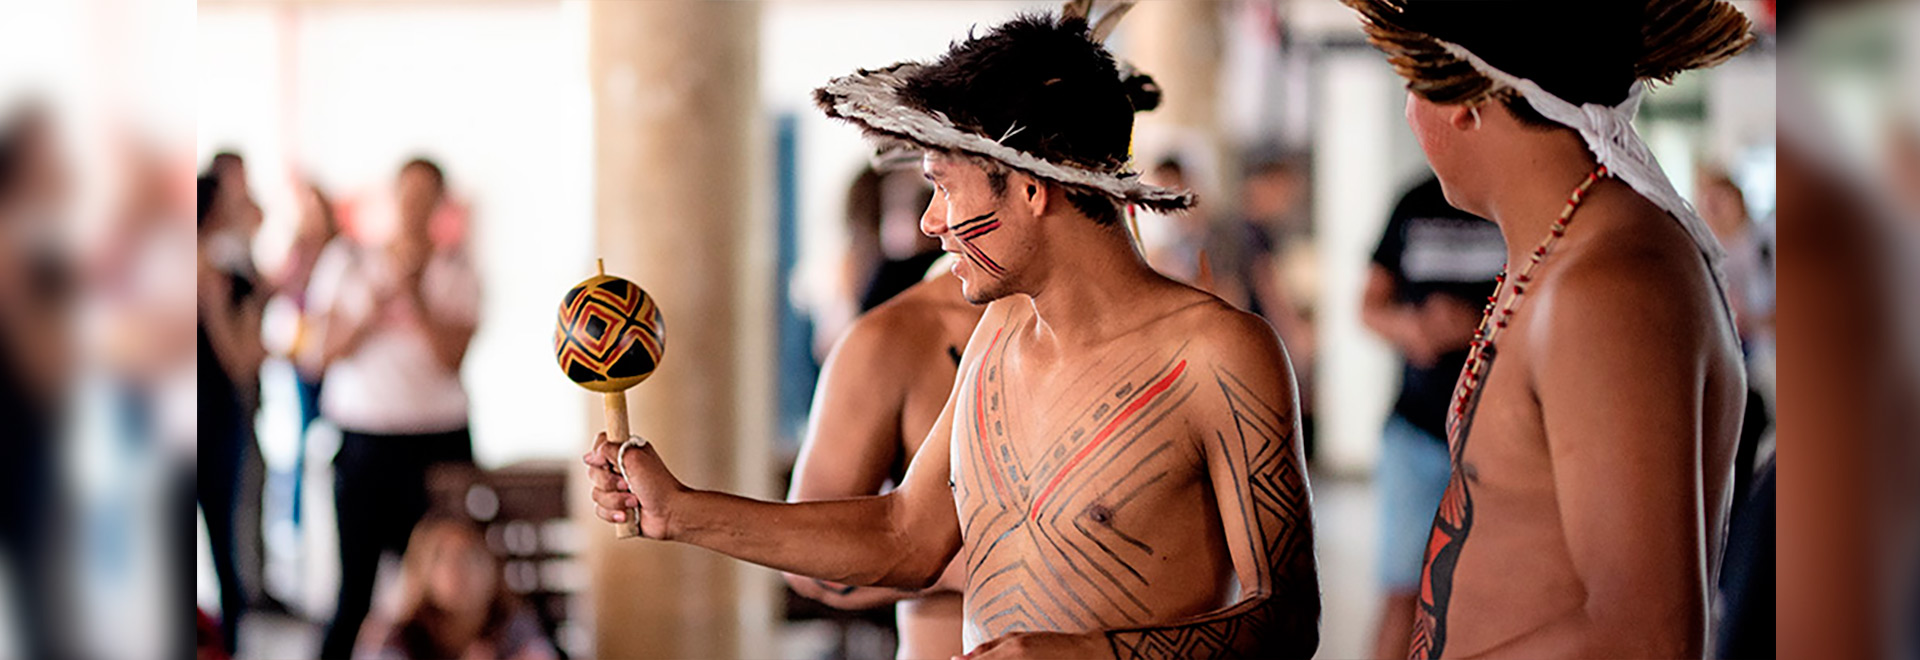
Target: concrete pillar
1179,43
679,197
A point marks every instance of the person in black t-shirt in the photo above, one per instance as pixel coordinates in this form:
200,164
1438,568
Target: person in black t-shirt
1430,277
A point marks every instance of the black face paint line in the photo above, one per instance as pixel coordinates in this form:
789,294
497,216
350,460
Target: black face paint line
973,229
977,226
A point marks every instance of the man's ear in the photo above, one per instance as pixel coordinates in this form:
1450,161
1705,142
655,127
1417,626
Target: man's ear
1036,194
1463,116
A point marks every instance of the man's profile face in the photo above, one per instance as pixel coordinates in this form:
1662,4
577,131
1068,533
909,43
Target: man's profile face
973,222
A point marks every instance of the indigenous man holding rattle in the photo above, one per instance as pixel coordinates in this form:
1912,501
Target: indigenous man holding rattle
1118,453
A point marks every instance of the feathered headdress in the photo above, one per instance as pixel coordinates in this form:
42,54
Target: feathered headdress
1585,65
1584,52
1038,93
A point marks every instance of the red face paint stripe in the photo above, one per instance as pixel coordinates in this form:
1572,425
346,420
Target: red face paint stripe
979,231
1139,402
979,415
988,261
981,259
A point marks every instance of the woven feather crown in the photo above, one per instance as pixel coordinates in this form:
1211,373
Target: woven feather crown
1037,93
1583,52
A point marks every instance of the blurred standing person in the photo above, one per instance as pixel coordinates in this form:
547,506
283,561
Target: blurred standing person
35,370
233,247
231,300
1254,255
905,253
1434,265
829,295
1749,264
318,229
1174,242
1749,282
395,326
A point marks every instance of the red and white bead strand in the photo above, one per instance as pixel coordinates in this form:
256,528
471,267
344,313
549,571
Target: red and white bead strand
1491,323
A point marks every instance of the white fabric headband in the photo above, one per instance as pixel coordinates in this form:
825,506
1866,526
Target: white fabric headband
1608,132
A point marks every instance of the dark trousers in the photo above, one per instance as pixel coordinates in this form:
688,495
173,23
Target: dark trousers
37,566
217,487
379,494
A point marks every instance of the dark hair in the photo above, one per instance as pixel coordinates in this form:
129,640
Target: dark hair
997,181
26,125
863,201
1272,159
1099,208
224,159
207,187
1582,52
1042,85
1523,112
1037,83
1171,164
432,169
13,152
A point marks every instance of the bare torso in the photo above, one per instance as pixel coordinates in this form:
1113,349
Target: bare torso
1515,585
1082,490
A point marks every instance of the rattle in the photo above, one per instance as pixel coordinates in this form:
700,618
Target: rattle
609,338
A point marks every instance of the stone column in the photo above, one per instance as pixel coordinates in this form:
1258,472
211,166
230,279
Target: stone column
1179,43
678,204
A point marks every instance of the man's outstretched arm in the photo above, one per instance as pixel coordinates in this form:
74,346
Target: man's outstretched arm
1259,479
901,539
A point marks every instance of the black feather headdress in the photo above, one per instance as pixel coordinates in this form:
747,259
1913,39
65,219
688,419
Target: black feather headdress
1038,93
1582,52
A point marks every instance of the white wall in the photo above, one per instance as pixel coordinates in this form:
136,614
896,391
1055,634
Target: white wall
496,92
1357,175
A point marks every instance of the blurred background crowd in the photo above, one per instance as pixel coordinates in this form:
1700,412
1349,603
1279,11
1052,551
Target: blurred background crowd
392,197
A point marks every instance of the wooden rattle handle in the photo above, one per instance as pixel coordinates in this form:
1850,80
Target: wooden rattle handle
617,433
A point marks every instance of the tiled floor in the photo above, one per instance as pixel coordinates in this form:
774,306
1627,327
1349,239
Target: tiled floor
1344,520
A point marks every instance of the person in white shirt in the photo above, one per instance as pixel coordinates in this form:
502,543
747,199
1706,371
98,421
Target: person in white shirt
396,321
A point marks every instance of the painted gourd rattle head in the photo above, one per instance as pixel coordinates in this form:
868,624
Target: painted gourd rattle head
610,335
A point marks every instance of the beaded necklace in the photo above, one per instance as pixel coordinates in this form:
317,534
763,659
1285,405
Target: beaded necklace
1480,351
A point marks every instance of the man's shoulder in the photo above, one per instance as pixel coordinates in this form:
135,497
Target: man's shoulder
1225,334
1635,288
910,320
893,327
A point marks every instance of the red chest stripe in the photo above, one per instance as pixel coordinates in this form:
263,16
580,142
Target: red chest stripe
980,419
1147,396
